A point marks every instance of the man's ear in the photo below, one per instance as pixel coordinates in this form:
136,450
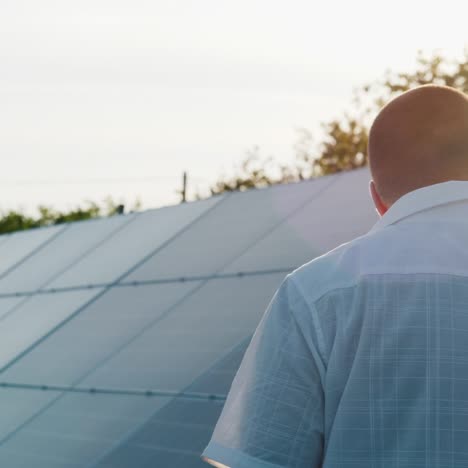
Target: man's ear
379,204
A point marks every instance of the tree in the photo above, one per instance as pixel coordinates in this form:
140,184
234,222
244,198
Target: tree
252,173
344,145
12,221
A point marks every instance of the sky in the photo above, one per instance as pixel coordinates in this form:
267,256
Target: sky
119,97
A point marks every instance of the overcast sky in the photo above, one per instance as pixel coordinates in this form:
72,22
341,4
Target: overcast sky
107,94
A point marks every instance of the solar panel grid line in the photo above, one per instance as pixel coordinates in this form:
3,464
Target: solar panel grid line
26,295
52,331
74,438
171,220
75,382
70,265
137,335
133,431
70,418
16,405
79,240
247,216
282,221
11,363
71,317
39,292
96,297
136,429
162,316
12,301
28,421
149,282
36,249
303,231
164,420
152,392
13,309
333,180
189,225
143,330
51,403
132,219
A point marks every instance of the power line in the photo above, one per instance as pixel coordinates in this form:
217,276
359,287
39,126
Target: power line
96,181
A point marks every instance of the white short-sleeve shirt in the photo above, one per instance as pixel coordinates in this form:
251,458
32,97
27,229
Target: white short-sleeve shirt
361,357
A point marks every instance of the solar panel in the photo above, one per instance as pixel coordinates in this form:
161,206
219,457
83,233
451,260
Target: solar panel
80,427
176,434
17,405
17,247
120,338
149,232
227,231
175,350
77,240
26,326
7,304
173,437
100,330
341,212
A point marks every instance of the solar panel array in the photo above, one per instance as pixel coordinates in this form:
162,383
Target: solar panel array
120,337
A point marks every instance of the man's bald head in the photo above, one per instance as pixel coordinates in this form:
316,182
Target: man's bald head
420,138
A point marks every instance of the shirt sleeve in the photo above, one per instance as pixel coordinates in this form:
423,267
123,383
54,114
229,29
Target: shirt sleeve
273,414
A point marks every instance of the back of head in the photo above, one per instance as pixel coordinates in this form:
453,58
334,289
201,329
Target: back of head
419,138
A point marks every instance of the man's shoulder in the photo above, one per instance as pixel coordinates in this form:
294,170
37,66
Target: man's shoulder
338,268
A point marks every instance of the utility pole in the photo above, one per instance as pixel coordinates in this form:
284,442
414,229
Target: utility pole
184,188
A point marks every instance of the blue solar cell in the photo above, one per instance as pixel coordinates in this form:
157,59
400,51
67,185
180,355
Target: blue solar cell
176,433
321,225
95,334
228,231
186,342
34,319
17,406
183,335
7,304
147,233
56,257
18,246
79,428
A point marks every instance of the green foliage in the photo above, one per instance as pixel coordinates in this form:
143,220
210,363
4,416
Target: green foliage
16,221
12,221
344,147
252,174
344,144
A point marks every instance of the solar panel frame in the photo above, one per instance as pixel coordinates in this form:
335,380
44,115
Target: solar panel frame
44,265
244,219
18,247
114,260
152,438
343,218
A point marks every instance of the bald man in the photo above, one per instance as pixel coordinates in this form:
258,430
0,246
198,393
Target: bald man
418,139
361,358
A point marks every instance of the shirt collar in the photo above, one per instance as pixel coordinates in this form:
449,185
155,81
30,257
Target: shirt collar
422,199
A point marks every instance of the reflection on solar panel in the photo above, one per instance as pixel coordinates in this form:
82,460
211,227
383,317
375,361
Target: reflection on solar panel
120,337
